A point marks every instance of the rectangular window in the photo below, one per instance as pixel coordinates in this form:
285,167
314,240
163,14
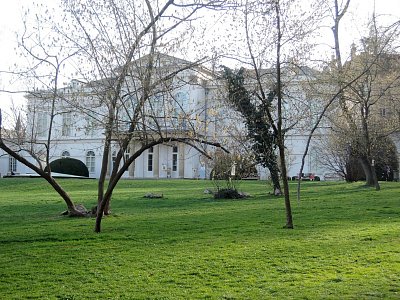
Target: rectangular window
383,112
66,124
91,161
91,164
150,160
90,125
42,125
12,165
127,154
113,159
174,158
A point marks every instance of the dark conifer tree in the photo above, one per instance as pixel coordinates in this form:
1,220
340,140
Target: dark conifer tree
259,130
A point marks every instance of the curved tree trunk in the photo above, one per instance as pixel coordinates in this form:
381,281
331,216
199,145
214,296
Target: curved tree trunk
73,212
55,185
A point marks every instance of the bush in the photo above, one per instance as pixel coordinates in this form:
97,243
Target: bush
245,167
228,194
70,166
221,175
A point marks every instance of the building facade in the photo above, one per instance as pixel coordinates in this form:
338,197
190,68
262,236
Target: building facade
187,104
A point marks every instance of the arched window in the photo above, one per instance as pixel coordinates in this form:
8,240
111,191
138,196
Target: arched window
90,161
65,154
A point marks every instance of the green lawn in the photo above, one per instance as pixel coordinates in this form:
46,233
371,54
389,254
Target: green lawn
345,245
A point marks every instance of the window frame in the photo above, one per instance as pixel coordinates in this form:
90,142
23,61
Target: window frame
150,160
41,123
12,164
174,158
91,161
66,128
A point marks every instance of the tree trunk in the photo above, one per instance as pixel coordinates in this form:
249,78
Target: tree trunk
64,195
289,218
100,212
375,178
273,169
370,173
97,227
72,211
104,204
367,171
107,208
279,131
70,205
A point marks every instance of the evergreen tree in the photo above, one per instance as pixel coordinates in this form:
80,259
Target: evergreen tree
259,130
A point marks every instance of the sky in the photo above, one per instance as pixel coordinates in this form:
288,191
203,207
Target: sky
10,23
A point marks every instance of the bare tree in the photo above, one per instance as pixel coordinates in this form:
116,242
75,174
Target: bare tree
115,49
337,13
125,52
338,79
43,70
276,41
369,110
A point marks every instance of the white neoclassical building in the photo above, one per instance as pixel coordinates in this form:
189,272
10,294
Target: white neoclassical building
181,105
187,104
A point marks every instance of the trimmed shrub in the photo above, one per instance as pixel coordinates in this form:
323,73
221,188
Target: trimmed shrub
70,166
228,194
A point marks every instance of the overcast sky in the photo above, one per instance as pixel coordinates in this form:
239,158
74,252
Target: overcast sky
10,22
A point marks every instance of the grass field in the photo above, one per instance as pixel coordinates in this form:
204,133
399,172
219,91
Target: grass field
345,245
